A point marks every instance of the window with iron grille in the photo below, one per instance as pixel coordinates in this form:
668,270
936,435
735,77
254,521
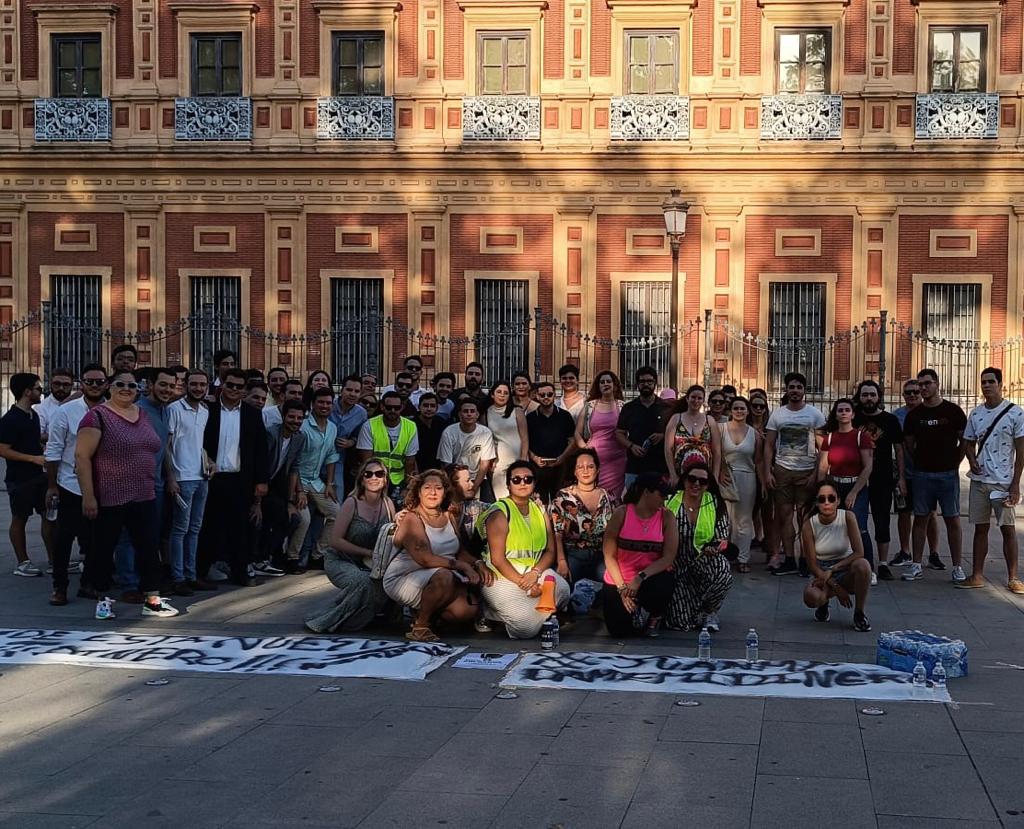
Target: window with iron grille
357,326
957,55
358,63
77,65
951,313
503,63
803,60
503,327
645,329
216,65
216,320
652,63
796,332
74,333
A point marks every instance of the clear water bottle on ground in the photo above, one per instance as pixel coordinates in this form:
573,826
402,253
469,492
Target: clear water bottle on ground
920,675
51,509
939,674
752,646
704,646
549,634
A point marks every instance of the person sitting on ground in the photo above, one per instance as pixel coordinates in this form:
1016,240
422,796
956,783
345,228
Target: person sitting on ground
702,570
834,553
640,546
519,554
432,572
466,507
579,515
348,558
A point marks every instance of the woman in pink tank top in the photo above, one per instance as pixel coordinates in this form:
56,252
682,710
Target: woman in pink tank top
640,544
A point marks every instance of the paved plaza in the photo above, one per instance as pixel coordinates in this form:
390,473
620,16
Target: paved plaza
98,747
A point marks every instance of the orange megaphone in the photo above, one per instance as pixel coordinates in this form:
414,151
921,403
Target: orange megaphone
546,603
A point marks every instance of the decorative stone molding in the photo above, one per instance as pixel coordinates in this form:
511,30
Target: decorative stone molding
801,117
72,119
212,119
356,118
501,118
650,118
957,115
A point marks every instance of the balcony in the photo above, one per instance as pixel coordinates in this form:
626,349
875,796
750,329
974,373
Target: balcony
801,117
72,119
212,119
356,118
957,115
501,118
650,118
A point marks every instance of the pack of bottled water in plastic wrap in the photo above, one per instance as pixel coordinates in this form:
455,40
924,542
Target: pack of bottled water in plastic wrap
901,650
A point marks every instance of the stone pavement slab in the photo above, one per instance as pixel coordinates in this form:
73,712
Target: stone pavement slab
843,803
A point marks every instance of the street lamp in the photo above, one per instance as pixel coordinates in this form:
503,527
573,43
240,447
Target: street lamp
675,209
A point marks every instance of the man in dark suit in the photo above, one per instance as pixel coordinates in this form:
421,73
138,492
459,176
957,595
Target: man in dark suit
284,511
236,443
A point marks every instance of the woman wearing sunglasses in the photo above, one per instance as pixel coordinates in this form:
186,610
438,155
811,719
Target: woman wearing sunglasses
519,554
431,571
115,459
640,545
347,560
834,554
703,572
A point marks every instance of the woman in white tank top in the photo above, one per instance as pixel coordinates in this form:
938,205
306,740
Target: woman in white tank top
741,461
834,554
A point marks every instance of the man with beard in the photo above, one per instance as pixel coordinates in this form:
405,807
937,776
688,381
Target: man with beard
284,510
349,417
444,386
885,479
552,433
276,378
62,380
292,390
790,460
641,428
474,387
62,484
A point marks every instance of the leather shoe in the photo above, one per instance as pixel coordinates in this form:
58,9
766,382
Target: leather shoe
292,567
59,598
202,585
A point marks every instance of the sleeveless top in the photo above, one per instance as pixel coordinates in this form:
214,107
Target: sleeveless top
363,533
685,444
739,457
831,541
443,542
640,543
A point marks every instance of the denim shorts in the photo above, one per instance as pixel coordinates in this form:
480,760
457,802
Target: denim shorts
942,488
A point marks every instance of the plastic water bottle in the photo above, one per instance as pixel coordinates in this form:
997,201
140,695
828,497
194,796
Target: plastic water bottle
704,646
939,674
51,508
752,646
549,634
920,675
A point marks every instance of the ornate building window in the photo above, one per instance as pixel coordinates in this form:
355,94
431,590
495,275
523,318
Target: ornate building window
503,63
358,63
803,61
652,63
216,65
956,55
77,66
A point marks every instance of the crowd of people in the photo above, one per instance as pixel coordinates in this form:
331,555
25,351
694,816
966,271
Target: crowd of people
461,506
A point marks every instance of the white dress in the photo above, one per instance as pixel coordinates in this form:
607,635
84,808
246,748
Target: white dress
506,443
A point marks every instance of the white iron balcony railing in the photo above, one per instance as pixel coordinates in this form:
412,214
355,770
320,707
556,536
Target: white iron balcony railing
650,118
501,118
801,117
72,119
212,119
356,118
957,115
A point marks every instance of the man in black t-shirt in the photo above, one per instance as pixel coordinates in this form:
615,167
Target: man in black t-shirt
641,428
429,426
885,479
22,448
552,433
473,388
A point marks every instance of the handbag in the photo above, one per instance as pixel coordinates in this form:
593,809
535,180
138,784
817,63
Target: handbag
728,491
384,550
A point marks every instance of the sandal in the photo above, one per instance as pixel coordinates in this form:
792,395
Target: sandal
422,633
1015,586
742,567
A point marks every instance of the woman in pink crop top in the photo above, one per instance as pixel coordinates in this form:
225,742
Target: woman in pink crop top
640,544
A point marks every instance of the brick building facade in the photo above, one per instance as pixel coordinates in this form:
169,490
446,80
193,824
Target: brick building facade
449,166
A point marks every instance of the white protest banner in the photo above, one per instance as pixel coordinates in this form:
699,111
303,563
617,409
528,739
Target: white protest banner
674,675
486,661
266,655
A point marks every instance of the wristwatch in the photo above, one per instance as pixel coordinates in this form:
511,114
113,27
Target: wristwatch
642,575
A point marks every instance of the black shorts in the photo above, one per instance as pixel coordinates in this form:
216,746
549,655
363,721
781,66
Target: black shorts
27,497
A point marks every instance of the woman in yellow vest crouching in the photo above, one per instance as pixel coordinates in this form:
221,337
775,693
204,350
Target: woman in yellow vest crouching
519,555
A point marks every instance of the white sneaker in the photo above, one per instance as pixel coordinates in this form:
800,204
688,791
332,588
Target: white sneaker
913,573
164,610
104,609
27,568
49,569
74,568
712,623
874,580
215,573
959,574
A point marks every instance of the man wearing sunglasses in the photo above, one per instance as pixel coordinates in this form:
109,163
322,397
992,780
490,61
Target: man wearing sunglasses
62,381
391,438
641,428
411,389
552,436
904,505
235,440
284,508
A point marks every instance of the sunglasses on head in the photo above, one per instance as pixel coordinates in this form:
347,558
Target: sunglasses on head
521,479
696,479
93,382
124,384
374,473
827,499
235,386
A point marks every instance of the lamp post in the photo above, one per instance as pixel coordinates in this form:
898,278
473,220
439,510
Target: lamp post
675,209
